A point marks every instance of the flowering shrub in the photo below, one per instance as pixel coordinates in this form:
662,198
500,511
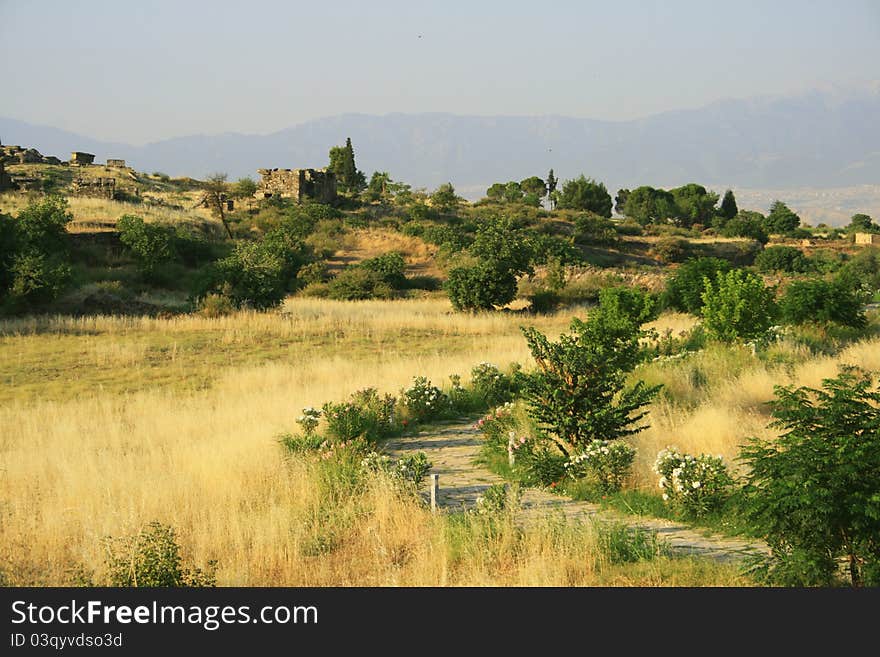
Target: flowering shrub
491,385
496,425
366,414
692,484
300,444
309,420
407,472
423,400
497,498
609,461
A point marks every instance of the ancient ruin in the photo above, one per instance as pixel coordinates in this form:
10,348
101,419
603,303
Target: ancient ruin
19,155
300,184
118,164
867,238
96,187
82,159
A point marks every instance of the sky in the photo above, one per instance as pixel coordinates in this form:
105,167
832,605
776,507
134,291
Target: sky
154,69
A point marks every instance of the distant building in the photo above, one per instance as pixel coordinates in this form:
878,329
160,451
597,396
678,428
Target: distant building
76,157
120,164
867,238
299,184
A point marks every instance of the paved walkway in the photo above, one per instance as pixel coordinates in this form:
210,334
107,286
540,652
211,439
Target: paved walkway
453,450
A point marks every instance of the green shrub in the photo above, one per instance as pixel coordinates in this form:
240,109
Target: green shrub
251,276
737,306
215,305
482,287
151,244
423,401
389,267
684,289
544,301
747,224
609,463
813,493
783,258
496,425
496,499
357,283
594,230
818,300
491,385
539,464
671,249
151,558
692,485
407,472
630,303
366,415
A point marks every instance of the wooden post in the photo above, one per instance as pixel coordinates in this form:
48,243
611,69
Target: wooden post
435,491
511,438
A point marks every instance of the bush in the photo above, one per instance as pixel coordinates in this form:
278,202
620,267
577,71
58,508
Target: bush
365,415
692,485
497,498
482,287
496,425
585,194
407,472
817,300
746,224
684,289
783,258
152,245
544,301
671,249
814,492
215,305
491,385
629,303
357,283
422,400
607,462
151,558
389,267
251,276
737,306
594,230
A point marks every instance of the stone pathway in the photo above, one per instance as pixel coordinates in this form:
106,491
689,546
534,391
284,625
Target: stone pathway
454,448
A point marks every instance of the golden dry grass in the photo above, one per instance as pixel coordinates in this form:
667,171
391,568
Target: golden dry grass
363,243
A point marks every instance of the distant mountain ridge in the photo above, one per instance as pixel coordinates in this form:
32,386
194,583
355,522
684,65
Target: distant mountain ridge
814,139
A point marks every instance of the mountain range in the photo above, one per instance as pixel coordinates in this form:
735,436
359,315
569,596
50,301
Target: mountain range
820,138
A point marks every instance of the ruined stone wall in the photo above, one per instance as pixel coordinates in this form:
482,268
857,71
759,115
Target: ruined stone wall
867,238
19,155
299,184
77,157
95,187
119,164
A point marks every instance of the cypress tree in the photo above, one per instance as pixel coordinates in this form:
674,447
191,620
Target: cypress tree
728,208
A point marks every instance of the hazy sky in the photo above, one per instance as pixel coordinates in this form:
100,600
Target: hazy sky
141,71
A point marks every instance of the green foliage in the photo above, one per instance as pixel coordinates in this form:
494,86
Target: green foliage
692,485
693,204
407,472
491,385
37,277
482,287
592,229
630,303
728,209
818,300
534,185
244,188
348,177
862,272
444,198
251,276
649,205
389,267
496,499
151,558
504,245
151,244
684,289
42,226
746,224
358,283
788,259
781,219
423,401
579,390
737,306
671,249
814,493
620,201
585,194
606,462
862,223
380,187
365,415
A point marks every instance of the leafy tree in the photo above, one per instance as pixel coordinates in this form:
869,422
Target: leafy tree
737,306
620,201
684,289
379,188
151,244
747,224
244,188
579,391
728,209
862,271
783,258
42,226
389,267
648,205
862,223
552,181
512,192
534,185
496,192
504,245
216,190
814,492
781,219
444,199
482,287
818,300
585,194
591,229
694,205
348,177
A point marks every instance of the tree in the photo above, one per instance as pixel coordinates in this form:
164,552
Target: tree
684,289
789,259
620,201
379,188
737,306
504,245
781,219
444,199
551,189
151,244
818,300
348,177
513,192
591,229
496,192
862,223
244,188
694,205
585,194
813,493
534,185
579,391
728,209
747,224
481,287
216,190
648,205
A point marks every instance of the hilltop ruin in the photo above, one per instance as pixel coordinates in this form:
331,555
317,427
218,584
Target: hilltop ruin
299,184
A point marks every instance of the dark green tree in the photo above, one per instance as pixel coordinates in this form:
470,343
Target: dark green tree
444,198
620,201
747,224
781,219
552,181
862,223
534,185
694,205
818,300
584,193
649,205
481,287
348,177
513,192
728,209
495,192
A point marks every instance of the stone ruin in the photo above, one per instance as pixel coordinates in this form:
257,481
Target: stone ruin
116,164
299,184
95,187
867,238
82,159
19,155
